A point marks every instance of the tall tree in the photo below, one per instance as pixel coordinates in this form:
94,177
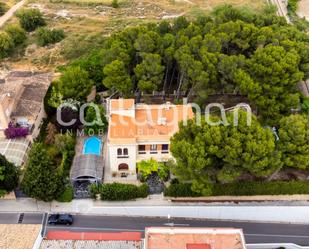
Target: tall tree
294,141
75,83
41,180
98,119
8,175
277,73
117,78
149,72
208,153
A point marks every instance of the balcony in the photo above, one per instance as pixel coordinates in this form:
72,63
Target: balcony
123,156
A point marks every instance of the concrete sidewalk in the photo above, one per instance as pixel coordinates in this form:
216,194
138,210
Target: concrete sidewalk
146,208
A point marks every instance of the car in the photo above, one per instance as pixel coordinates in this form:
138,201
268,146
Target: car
60,219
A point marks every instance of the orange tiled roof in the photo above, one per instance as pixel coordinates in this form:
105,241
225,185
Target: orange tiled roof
153,122
197,238
116,104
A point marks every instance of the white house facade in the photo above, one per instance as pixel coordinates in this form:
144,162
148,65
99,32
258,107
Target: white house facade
140,132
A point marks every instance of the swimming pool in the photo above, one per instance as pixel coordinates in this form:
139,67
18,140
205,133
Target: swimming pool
92,146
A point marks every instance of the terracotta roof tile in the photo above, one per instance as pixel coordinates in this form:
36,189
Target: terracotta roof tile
125,104
150,122
194,238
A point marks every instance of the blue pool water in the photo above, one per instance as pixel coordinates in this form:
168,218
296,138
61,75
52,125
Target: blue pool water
92,146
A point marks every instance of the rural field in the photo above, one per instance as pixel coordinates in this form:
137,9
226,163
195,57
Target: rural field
87,22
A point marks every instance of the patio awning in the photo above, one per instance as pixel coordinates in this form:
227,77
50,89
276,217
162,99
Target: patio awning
87,166
15,150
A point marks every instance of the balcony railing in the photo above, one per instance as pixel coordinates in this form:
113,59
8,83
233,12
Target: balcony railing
122,156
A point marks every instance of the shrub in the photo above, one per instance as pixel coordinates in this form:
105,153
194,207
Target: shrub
10,175
305,106
121,192
180,190
292,5
30,19
15,132
94,190
47,36
66,162
3,8
6,44
147,167
17,33
67,195
115,4
262,188
243,188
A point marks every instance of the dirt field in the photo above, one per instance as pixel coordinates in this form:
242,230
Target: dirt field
303,9
83,19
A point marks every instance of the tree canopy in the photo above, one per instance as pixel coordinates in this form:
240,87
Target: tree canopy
75,83
41,179
294,141
8,175
207,153
230,51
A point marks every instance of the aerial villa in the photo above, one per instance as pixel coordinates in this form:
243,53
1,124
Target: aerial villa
139,132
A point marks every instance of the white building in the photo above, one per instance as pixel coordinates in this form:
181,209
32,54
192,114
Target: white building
140,132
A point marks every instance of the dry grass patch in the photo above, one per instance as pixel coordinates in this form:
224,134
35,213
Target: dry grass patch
84,19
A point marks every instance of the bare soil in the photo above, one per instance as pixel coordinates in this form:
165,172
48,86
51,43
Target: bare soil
303,9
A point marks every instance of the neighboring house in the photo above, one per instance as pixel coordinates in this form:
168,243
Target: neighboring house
21,100
194,238
140,132
155,238
20,236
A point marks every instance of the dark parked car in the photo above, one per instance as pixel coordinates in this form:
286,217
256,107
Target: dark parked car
60,219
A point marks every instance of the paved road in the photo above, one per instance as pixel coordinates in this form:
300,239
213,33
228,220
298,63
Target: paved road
254,232
10,12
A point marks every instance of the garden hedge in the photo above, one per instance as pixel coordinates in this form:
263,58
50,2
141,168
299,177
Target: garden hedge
243,188
121,192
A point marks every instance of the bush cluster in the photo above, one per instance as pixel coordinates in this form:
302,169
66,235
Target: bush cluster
67,195
14,35
262,188
243,189
15,132
120,192
3,8
292,5
30,19
47,36
180,190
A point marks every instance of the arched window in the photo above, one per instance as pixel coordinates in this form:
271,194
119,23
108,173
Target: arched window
119,152
125,151
123,166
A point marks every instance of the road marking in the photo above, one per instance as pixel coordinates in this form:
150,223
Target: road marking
173,224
